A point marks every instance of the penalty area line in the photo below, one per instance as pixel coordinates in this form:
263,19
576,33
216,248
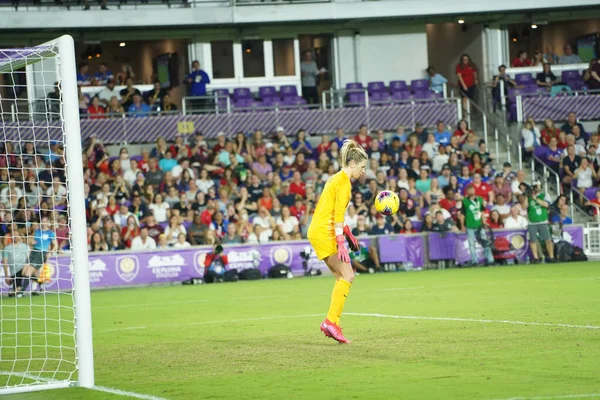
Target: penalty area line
483,321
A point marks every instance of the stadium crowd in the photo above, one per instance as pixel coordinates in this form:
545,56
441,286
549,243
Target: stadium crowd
256,188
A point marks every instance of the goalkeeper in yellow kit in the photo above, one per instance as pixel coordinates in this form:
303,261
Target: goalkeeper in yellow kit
327,233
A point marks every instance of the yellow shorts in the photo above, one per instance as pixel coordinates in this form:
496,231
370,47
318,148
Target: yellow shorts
324,246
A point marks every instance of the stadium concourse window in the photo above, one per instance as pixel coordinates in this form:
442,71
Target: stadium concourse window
222,59
283,57
253,58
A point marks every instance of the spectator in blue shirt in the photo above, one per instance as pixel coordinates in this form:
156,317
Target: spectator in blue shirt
442,136
301,144
563,216
138,108
104,74
436,81
381,227
53,153
83,78
44,242
197,80
168,163
339,137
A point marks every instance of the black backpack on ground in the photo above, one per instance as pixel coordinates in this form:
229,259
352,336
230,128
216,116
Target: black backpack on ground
249,274
231,275
578,254
563,251
278,271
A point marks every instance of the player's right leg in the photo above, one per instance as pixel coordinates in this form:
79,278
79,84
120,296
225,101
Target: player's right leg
344,277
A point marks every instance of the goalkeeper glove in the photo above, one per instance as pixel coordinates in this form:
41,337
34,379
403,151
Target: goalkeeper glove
352,242
342,252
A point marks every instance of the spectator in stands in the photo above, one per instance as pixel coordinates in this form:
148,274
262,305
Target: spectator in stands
569,57
546,78
125,73
159,208
83,78
143,241
115,109
482,189
106,94
553,155
466,71
549,56
95,110
442,224
168,107
97,243
130,230
538,59
155,96
430,147
138,108
585,176
339,137
301,144
495,220
470,146
436,80
442,135
531,138
174,229
508,82
571,122
310,76
562,217
288,225
362,137
549,131
515,220
595,203
538,228
381,227
463,131
570,164
522,60
103,74
197,81
128,93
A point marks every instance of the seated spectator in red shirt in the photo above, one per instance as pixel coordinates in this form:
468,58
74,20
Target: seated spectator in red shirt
207,215
95,110
220,145
112,206
476,165
482,189
521,60
298,210
549,131
448,203
298,186
562,141
407,227
595,203
363,137
179,146
501,187
129,232
266,200
324,145
495,220
300,164
412,146
462,132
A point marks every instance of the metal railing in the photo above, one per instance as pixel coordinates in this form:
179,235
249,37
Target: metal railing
37,5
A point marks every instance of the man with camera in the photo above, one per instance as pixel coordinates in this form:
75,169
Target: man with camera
538,227
472,207
215,265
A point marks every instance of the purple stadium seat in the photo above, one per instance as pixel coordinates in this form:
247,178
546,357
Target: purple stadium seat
419,85
376,87
136,158
242,93
243,104
571,75
590,193
575,84
427,94
524,78
354,86
380,97
267,91
222,92
357,99
272,102
288,91
417,225
294,101
398,86
401,95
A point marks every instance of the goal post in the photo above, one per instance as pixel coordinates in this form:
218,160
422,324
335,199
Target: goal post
45,329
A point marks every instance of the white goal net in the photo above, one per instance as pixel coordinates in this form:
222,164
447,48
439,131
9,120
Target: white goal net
45,321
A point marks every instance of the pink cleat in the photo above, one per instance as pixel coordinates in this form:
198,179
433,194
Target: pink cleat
333,331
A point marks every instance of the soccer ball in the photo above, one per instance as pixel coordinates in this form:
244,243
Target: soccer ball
387,202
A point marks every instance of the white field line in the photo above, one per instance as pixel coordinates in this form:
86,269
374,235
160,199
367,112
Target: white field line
413,317
97,388
566,396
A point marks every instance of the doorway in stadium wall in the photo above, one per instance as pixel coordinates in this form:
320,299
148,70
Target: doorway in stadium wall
320,48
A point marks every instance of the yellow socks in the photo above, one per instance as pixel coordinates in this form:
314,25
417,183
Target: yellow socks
338,298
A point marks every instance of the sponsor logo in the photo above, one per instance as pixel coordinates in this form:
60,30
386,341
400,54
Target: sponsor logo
281,255
127,268
51,275
97,268
199,259
166,266
243,259
518,241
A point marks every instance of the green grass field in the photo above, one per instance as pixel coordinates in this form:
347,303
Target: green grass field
470,335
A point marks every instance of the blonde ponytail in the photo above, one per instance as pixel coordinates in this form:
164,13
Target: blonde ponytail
352,151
